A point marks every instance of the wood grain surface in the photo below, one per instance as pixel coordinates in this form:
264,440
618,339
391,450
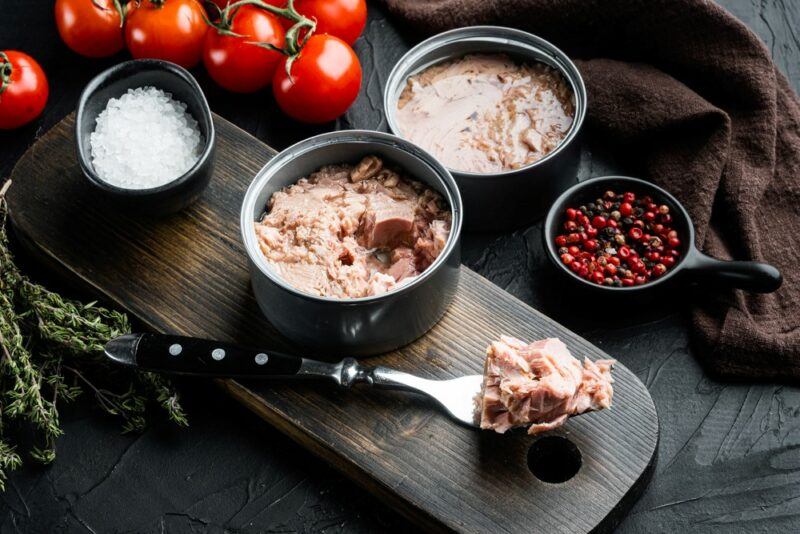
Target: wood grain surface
187,274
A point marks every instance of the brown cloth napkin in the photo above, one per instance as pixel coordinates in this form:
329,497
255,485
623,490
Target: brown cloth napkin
692,94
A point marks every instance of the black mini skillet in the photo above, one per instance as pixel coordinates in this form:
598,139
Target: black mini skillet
692,267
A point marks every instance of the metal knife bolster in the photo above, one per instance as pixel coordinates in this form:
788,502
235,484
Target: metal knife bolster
349,372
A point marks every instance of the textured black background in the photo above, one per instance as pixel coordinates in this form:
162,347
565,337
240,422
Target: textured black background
729,458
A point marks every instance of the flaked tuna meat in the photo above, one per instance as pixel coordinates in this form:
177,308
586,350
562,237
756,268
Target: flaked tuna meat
388,222
486,113
351,231
539,385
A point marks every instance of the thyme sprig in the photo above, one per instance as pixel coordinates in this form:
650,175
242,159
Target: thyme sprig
51,351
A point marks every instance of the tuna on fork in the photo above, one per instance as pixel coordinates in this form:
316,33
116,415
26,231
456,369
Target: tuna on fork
539,384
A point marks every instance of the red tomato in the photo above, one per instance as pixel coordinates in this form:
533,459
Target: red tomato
223,3
23,89
172,30
343,18
234,63
91,28
325,80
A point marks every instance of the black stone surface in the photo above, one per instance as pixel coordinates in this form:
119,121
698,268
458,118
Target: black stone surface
729,459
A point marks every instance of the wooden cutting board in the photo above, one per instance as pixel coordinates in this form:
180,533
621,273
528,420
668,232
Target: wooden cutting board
187,274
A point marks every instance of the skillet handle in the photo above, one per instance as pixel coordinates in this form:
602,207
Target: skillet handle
751,276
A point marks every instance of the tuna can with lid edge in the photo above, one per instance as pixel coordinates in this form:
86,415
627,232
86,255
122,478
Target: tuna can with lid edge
360,326
513,198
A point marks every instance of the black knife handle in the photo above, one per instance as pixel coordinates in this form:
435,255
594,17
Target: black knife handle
194,356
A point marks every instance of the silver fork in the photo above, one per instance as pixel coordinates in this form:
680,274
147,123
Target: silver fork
202,357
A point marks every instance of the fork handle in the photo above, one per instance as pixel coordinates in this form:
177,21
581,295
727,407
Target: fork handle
192,356
200,357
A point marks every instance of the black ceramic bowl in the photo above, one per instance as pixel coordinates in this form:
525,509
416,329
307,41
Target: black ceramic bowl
113,83
692,267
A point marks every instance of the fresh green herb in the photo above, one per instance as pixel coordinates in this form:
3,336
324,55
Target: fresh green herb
51,352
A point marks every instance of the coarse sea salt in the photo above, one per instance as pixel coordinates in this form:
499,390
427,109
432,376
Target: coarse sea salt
144,139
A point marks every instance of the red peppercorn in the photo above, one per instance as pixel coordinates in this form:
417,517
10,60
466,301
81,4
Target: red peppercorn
619,240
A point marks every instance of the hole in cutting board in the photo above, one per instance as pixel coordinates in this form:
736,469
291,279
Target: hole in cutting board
554,459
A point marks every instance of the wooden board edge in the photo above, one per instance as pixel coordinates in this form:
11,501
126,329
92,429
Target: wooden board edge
617,514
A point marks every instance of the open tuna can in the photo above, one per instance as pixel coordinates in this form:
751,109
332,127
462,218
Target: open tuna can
521,190
352,326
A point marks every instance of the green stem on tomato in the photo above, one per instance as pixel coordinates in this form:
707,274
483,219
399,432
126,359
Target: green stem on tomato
294,38
5,72
119,6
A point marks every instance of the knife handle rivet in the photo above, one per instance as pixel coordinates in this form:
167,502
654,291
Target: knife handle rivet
218,354
261,358
175,349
